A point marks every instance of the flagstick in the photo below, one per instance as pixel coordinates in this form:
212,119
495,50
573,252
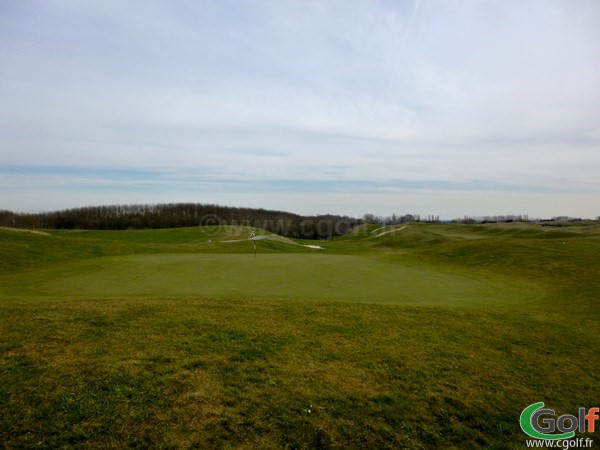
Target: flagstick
253,237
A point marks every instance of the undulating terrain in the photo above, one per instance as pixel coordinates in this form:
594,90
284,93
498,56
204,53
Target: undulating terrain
413,336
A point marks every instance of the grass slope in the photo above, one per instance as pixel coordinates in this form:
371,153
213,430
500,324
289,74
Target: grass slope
115,339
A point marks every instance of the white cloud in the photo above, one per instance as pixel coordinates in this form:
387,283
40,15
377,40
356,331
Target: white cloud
373,91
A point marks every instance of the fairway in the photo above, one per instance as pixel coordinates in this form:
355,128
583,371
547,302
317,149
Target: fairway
317,277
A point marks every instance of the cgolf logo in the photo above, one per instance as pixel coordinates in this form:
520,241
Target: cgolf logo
561,428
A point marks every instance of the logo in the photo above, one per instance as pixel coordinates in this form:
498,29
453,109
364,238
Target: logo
540,423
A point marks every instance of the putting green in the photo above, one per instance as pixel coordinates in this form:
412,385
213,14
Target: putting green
282,276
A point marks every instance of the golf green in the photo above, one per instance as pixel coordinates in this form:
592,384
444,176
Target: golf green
318,277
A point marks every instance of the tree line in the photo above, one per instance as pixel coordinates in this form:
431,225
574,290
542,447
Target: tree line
177,215
395,219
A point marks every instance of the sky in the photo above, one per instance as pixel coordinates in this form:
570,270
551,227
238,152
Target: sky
444,107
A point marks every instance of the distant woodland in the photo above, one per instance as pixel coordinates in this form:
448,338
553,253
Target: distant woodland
126,217
177,215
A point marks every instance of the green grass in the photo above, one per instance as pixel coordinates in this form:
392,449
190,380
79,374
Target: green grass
319,277
432,336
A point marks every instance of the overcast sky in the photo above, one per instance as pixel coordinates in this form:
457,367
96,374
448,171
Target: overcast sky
446,107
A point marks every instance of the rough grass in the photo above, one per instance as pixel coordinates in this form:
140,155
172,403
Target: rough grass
219,371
